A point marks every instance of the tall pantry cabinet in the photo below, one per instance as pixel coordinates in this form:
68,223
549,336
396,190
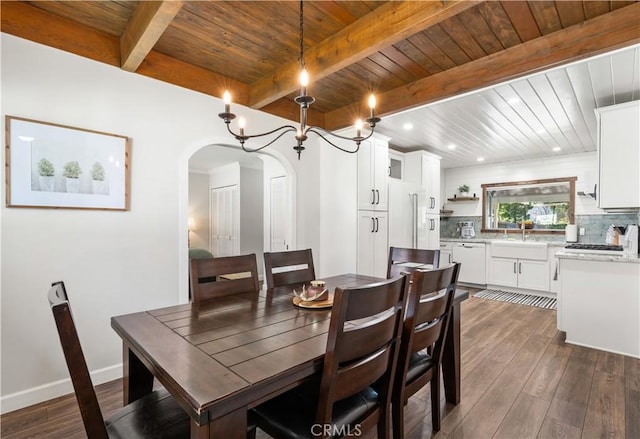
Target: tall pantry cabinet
373,233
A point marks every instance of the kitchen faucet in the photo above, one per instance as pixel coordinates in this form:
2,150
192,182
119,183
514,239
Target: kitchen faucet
524,238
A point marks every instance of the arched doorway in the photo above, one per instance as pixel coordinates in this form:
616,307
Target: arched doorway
212,169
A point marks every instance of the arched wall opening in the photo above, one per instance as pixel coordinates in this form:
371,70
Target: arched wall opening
274,164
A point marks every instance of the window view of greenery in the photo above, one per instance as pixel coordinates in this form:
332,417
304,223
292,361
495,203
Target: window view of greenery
541,215
541,205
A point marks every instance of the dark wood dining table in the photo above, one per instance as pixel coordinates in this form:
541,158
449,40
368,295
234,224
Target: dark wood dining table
232,353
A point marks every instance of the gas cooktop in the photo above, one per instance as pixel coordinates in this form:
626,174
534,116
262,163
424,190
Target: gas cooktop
601,249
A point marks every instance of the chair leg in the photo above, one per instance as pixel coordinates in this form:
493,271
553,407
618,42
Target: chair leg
435,402
383,425
397,419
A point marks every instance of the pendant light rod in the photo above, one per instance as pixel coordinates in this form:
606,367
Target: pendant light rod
304,101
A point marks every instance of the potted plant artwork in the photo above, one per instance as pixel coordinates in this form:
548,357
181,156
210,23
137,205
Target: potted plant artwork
464,190
98,184
72,173
46,173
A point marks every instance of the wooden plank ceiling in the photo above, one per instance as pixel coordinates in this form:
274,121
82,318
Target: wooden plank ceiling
407,53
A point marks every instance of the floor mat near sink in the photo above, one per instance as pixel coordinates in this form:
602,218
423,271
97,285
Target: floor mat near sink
521,299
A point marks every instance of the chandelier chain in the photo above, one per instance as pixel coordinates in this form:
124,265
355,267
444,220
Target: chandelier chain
301,58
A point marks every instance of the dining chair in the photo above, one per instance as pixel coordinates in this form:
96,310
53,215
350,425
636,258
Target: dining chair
399,256
429,306
362,348
288,268
223,276
155,415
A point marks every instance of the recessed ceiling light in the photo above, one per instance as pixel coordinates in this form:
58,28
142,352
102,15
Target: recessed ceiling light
451,146
556,149
26,138
481,159
513,100
408,126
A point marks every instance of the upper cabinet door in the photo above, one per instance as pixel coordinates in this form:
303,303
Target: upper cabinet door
424,169
373,169
431,182
619,155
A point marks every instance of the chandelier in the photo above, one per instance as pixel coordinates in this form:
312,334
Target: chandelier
304,101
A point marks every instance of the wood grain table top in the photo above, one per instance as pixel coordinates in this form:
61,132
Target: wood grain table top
232,351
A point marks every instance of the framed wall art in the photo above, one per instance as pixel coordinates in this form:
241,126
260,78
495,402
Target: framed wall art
57,166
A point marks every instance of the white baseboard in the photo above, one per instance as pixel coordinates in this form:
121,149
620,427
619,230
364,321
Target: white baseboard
35,395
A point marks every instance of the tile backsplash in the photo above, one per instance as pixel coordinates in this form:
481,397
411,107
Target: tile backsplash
595,227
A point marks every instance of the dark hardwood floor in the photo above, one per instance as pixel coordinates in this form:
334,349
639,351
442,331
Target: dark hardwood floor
519,380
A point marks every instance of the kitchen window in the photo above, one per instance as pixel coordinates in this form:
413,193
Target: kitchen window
545,206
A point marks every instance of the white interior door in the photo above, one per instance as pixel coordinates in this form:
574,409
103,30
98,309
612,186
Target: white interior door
225,221
278,215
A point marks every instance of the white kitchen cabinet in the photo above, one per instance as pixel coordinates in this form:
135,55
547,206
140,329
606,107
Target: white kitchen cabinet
472,258
445,254
373,244
424,168
373,170
430,236
618,156
519,273
396,165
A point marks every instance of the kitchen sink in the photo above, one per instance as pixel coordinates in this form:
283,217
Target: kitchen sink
506,248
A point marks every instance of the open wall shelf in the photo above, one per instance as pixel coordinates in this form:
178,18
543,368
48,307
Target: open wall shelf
463,199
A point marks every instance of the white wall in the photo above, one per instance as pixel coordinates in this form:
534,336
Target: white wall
112,262
251,208
226,175
199,209
339,213
584,166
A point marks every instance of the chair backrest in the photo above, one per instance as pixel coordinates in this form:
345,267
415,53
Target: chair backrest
76,363
223,276
362,345
398,256
288,268
428,308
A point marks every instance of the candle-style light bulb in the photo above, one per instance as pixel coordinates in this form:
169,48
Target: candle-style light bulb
372,104
241,124
226,97
358,128
304,78
304,82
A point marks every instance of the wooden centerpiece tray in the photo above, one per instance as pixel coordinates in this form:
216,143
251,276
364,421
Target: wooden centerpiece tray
314,297
313,304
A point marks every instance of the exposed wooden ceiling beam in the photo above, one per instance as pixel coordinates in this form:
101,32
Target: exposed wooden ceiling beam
388,24
25,21
164,68
604,33
147,25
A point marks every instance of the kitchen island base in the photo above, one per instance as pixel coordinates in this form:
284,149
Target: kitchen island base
599,304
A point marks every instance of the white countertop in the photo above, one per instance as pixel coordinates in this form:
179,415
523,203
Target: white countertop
561,244
633,259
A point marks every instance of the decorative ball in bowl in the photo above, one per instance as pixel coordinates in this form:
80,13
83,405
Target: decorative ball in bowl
317,291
